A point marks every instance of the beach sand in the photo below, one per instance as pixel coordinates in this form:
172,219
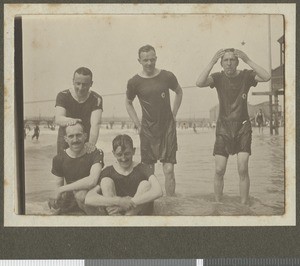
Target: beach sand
194,174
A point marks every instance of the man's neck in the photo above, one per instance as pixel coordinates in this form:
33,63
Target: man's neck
75,154
233,75
79,99
151,75
125,171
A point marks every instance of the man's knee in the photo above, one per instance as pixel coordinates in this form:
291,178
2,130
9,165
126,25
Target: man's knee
168,168
220,171
106,183
144,186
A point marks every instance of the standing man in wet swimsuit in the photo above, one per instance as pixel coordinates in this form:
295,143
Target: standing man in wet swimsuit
158,127
233,131
260,119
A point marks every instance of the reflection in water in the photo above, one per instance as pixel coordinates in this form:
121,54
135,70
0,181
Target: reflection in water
194,176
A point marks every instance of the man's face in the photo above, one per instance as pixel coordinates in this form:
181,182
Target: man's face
82,84
124,156
229,63
75,137
148,61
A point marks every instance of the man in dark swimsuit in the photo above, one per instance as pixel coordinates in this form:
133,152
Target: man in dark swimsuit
36,133
79,104
75,172
158,127
126,187
233,131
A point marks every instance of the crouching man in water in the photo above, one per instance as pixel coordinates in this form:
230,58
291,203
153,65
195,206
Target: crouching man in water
78,169
126,187
233,131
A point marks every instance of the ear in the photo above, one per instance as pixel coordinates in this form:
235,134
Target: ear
238,61
133,151
139,60
65,138
92,83
84,136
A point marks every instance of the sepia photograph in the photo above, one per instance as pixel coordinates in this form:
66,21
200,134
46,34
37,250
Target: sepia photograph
157,115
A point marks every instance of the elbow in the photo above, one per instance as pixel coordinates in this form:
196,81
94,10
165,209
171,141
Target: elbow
268,77
93,183
199,84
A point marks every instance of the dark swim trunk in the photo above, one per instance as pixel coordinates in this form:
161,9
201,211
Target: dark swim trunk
233,137
162,148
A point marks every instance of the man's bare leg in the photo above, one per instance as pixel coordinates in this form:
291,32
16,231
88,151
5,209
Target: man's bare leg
170,183
89,210
143,187
109,190
220,168
242,161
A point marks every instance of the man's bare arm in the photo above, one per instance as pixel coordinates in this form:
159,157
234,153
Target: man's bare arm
204,79
261,74
94,198
95,125
132,113
62,120
153,193
177,100
85,183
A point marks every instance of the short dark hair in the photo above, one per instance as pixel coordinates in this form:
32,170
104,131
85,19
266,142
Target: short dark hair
123,141
77,123
146,48
229,50
83,71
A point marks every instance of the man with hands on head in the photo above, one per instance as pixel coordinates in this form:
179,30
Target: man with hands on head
79,104
126,187
233,131
75,172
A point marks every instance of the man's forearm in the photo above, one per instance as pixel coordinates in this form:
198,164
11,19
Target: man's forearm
85,183
177,103
64,121
262,73
132,114
202,79
94,134
148,196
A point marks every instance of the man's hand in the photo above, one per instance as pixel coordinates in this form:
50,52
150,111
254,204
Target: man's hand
114,210
73,121
241,55
218,55
126,203
54,201
89,147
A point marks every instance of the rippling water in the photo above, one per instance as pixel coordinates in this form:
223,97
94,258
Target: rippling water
194,175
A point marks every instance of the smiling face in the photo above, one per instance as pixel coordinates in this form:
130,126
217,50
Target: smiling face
82,84
124,156
229,62
75,137
148,61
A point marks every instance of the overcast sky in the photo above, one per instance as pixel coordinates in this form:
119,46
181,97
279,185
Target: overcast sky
54,46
